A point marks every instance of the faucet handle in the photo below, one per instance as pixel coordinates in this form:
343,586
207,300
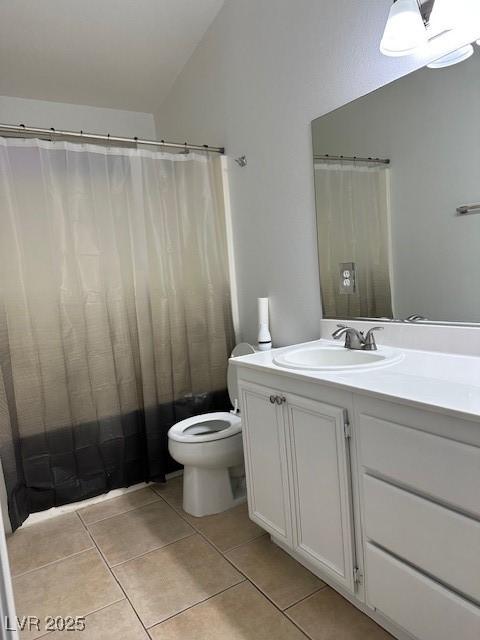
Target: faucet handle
353,338
341,328
370,344
415,318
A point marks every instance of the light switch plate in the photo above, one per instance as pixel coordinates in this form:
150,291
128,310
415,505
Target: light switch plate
347,278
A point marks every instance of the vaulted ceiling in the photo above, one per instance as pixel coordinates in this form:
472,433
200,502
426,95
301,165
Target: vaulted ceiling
122,54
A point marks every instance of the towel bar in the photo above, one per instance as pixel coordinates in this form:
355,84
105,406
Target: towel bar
468,208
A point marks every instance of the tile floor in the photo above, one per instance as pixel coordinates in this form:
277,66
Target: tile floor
139,567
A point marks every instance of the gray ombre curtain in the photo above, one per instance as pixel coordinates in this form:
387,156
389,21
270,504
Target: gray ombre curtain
352,204
115,317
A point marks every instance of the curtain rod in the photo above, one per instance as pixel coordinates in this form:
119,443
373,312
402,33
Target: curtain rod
352,159
22,129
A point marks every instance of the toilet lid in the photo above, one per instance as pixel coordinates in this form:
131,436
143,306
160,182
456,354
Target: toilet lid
242,349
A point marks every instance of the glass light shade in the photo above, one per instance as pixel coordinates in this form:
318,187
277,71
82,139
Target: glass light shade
405,30
452,58
445,15
448,15
452,14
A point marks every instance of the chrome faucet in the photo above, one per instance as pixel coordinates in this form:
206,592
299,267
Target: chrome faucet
355,339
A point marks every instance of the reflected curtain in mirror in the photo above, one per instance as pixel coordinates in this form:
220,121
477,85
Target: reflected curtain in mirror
115,317
352,226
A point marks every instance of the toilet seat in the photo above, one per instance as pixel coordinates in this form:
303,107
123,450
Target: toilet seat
207,427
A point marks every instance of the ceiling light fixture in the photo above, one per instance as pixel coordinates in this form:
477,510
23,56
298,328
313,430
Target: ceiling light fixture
405,30
414,26
444,15
453,14
452,58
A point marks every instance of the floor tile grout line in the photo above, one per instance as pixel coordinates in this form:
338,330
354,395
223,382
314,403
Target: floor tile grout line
141,555
113,575
315,590
156,498
249,541
60,560
84,615
195,531
244,581
215,548
223,554
278,609
265,595
90,613
310,595
48,564
238,569
192,606
180,512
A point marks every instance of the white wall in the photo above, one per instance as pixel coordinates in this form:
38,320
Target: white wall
40,113
428,125
263,71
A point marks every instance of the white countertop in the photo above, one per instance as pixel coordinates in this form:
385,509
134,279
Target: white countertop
439,381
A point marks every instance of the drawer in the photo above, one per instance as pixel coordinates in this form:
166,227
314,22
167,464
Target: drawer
422,607
444,469
439,541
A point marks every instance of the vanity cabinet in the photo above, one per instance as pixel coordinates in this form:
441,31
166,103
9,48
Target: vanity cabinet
385,509
419,479
321,487
298,477
265,447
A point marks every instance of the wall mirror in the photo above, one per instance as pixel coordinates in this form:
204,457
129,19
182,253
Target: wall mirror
397,189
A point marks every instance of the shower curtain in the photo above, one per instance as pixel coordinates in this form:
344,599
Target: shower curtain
115,317
352,205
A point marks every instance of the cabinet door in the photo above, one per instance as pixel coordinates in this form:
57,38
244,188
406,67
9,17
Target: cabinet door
323,530
264,440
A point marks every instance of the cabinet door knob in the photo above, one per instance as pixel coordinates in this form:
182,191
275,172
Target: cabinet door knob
273,399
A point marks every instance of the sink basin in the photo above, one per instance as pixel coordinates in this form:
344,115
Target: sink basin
335,358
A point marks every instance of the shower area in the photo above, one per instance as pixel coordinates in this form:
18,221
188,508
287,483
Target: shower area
353,235
115,311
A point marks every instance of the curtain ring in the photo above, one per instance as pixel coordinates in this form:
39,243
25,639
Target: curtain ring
52,129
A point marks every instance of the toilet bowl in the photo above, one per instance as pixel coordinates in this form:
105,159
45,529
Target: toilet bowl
211,450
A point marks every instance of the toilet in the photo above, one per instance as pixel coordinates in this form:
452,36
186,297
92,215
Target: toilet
211,450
